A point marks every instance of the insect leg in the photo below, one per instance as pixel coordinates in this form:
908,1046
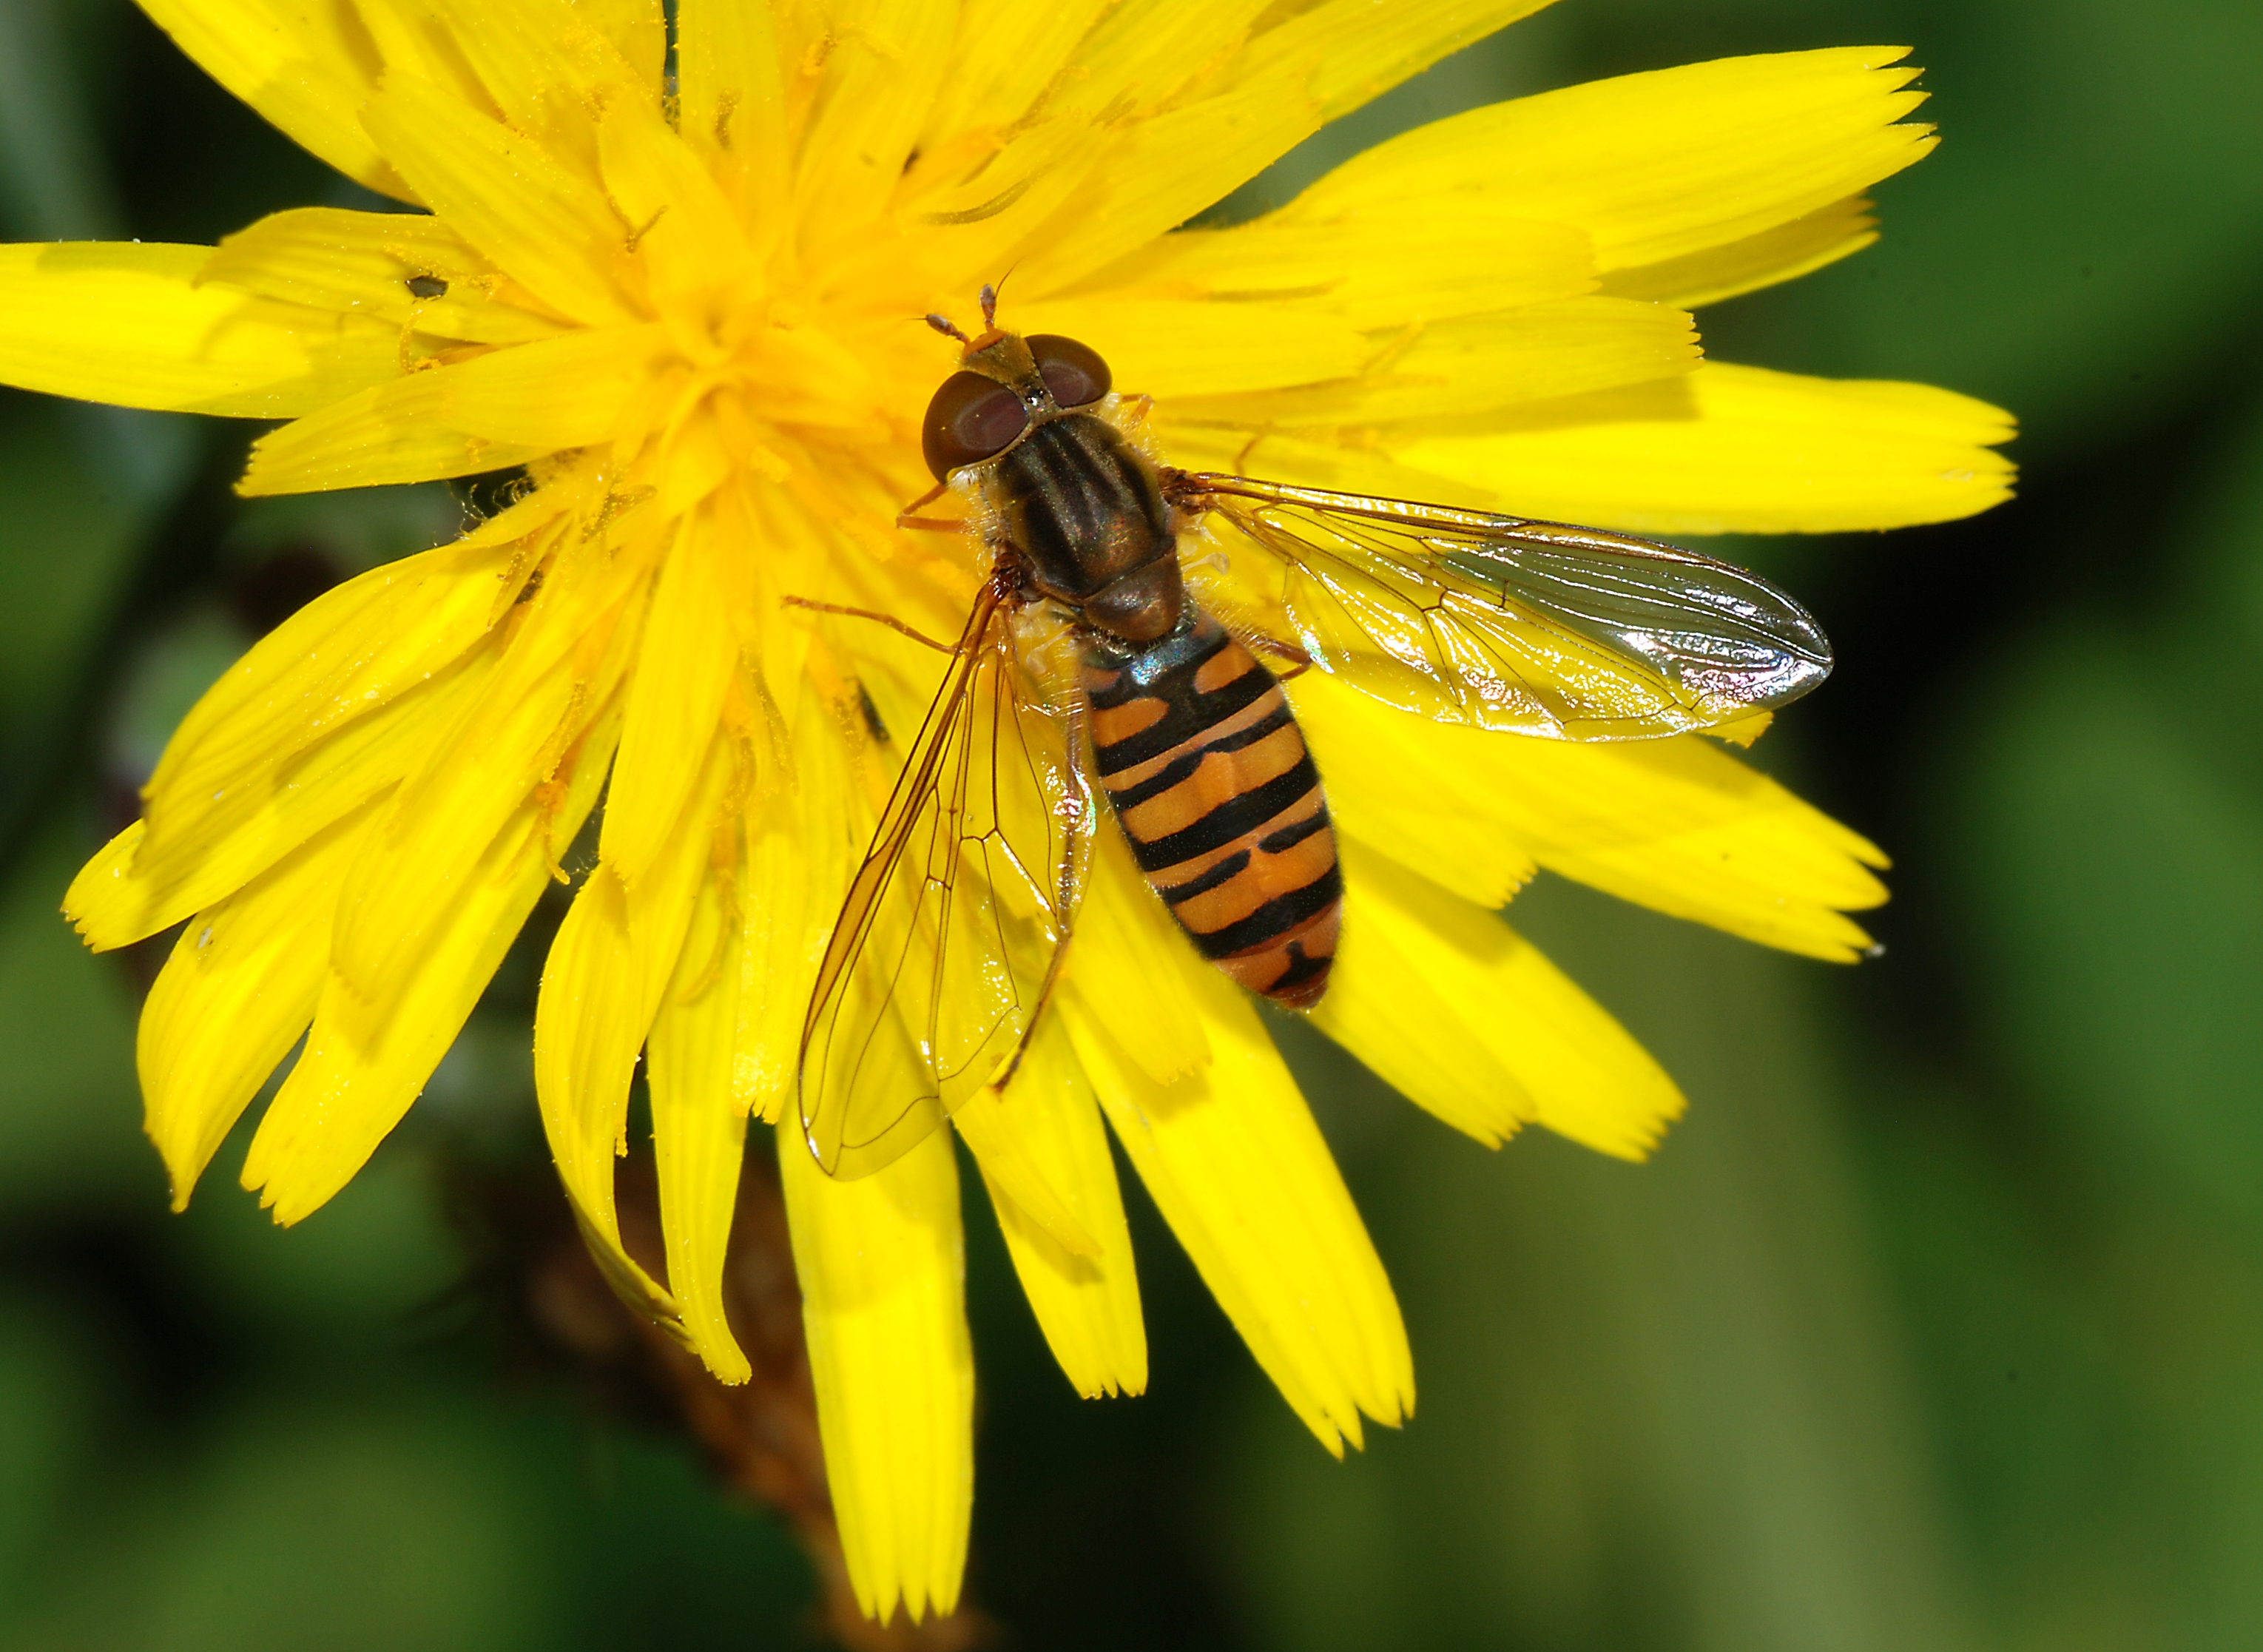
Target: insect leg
889,620
1298,660
909,517
1264,646
927,498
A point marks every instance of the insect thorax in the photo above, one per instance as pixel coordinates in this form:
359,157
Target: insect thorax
1080,505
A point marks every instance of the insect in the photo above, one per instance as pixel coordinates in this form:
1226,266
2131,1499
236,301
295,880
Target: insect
957,922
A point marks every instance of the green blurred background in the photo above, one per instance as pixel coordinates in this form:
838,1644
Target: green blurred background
1939,1324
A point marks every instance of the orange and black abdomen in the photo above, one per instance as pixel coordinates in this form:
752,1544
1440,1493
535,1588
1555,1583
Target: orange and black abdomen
1212,784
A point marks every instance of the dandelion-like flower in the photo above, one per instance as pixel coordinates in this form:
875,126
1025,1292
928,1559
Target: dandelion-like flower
678,277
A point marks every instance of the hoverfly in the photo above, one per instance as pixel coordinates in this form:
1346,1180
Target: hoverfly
958,921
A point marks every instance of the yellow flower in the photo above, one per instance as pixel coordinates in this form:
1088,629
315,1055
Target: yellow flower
680,282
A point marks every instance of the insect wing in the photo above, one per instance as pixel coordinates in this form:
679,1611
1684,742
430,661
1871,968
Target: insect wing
954,920
1537,627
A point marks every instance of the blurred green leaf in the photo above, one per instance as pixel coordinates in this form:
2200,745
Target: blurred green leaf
356,1270
383,1530
47,1417
71,541
2086,1264
2110,836
354,531
69,1107
2116,887
54,185
169,674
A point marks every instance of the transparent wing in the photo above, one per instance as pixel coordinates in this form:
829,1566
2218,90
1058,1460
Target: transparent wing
1539,627
955,922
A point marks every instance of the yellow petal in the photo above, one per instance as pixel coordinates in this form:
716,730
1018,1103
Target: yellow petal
388,434
307,68
1373,794
685,663
1656,166
543,64
328,711
367,1058
1695,834
1126,968
1674,825
978,212
1358,50
699,1131
503,408
549,227
1002,60
1378,267
589,1024
994,1136
1173,349
1472,363
350,651
363,263
412,37
566,659
1162,171
240,988
637,30
1737,450
789,916
608,970
1463,1017
1780,254
139,884
1042,1142
801,844
1144,55
128,322
882,1266
1239,1169
563,392
733,104
1308,459
688,233
878,78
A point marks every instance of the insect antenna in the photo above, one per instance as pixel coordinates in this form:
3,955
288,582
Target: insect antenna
991,291
948,327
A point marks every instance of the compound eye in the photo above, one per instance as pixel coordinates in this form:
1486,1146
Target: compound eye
1072,371
971,419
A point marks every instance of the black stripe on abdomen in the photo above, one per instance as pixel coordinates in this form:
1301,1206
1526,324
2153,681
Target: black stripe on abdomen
1201,756
1163,680
1237,816
1187,761
1276,917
